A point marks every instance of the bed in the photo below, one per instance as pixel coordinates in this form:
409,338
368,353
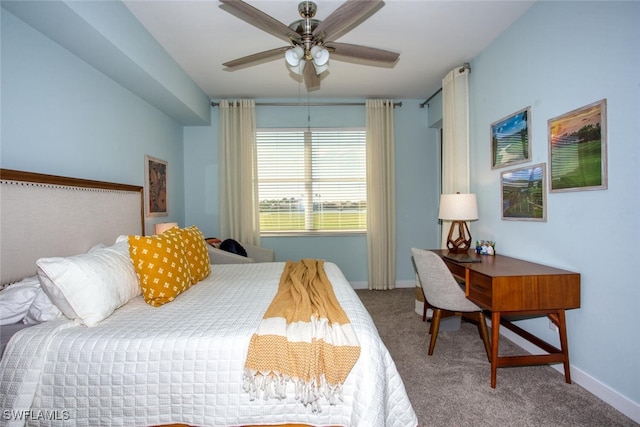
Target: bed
179,363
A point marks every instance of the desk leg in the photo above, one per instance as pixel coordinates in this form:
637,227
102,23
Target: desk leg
564,345
495,339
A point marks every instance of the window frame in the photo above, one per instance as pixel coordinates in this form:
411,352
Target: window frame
309,181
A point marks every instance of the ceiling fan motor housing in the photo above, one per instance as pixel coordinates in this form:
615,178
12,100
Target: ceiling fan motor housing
305,28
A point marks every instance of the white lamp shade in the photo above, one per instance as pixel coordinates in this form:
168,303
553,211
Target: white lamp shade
320,68
294,56
320,55
458,207
164,226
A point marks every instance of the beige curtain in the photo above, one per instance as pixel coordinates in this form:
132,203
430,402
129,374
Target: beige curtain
455,130
239,217
381,198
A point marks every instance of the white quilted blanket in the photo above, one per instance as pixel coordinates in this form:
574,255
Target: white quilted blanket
183,363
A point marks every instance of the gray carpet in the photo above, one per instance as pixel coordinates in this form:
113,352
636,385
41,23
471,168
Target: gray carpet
452,388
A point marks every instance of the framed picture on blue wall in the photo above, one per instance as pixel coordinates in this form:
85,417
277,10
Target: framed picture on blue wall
524,193
578,149
155,187
511,139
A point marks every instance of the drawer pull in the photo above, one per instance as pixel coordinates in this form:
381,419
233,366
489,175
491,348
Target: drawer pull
479,288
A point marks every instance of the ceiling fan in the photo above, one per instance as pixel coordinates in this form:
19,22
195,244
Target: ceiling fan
311,40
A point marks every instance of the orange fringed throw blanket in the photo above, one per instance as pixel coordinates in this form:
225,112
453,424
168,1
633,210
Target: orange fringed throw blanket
305,337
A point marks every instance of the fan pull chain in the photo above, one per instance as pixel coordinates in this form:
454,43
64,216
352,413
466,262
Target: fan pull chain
308,113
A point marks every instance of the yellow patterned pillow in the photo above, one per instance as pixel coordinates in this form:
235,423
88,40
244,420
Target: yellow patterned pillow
161,265
196,252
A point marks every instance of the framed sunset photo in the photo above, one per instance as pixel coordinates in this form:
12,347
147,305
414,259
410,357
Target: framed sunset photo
578,149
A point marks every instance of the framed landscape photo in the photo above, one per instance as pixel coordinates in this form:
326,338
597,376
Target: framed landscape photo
578,149
523,193
511,139
155,187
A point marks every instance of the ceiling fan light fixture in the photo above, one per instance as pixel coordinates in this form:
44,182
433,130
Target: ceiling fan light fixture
320,68
297,69
294,56
320,55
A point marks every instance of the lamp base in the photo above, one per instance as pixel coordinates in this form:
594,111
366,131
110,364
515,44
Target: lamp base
461,243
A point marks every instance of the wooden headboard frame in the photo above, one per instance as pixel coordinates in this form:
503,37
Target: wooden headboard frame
47,215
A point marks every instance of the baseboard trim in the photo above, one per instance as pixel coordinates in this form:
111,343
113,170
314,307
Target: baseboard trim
620,402
399,284
359,285
406,284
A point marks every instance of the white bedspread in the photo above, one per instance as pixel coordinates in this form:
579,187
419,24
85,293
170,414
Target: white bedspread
183,363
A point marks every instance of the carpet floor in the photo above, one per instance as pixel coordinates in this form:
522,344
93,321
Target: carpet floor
452,387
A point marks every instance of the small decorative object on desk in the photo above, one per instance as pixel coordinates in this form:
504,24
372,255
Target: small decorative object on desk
485,247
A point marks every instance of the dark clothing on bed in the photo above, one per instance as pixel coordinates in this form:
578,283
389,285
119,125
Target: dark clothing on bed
233,246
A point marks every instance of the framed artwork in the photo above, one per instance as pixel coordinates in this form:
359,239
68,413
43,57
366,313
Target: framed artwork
578,149
523,193
155,187
511,139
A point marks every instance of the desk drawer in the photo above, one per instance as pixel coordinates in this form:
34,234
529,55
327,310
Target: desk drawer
480,290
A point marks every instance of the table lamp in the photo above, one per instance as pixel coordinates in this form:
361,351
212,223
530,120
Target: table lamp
164,226
458,208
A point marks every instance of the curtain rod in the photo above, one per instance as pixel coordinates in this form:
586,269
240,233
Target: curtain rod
465,66
430,98
309,104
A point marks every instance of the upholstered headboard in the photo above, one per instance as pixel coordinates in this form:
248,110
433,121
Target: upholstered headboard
46,215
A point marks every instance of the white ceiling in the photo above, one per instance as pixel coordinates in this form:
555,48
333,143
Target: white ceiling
431,36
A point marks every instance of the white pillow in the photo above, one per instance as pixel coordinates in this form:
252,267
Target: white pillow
16,299
41,309
96,247
89,287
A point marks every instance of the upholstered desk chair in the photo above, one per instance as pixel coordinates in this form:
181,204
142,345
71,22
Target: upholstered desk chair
445,297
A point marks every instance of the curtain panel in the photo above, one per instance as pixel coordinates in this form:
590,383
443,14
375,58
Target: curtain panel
455,137
239,216
381,197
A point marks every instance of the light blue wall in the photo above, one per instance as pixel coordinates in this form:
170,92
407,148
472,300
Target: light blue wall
560,56
435,111
106,35
61,116
416,182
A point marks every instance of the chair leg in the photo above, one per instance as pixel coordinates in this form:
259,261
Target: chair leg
433,330
484,334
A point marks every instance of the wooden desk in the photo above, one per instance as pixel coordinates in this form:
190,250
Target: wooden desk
509,286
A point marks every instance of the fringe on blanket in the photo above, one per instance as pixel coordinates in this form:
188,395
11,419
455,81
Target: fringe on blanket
304,338
274,386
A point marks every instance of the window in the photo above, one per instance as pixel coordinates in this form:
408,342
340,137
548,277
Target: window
312,180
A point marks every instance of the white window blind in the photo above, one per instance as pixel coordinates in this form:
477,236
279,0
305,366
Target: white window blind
312,180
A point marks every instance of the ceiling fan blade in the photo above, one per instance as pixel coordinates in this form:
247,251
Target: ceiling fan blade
311,79
259,19
267,55
346,17
346,51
